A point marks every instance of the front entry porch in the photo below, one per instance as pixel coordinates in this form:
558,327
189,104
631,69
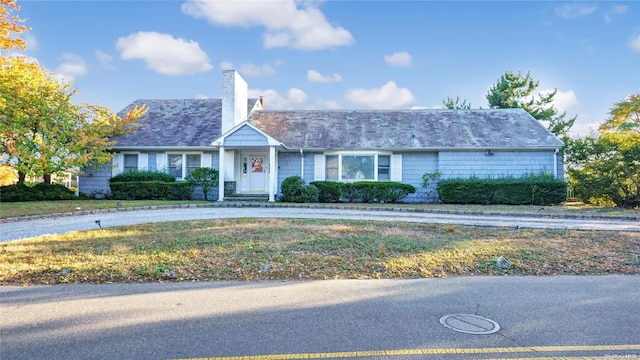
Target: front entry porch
252,171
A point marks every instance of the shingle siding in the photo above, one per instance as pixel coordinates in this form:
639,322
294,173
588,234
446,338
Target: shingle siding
416,164
245,137
95,181
464,164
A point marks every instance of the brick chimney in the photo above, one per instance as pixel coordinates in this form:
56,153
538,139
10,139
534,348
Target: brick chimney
234,99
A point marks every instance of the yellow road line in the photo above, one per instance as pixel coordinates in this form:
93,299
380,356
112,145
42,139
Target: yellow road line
445,351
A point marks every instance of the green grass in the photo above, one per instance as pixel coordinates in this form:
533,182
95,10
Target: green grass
277,249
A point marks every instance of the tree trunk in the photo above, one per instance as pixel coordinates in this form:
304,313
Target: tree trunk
47,179
21,177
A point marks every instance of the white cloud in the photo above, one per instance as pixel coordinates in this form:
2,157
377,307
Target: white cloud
104,58
329,104
564,101
634,43
31,41
315,76
389,96
574,10
287,23
272,99
72,66
226,65
164,54
616,10
201,96
401,59
297,96
249,69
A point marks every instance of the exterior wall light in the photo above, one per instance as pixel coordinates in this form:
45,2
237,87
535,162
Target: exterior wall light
488,152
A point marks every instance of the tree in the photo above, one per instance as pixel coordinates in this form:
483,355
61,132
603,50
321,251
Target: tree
205,178
10,25
625,115
42,132
606,167
455,104
517,91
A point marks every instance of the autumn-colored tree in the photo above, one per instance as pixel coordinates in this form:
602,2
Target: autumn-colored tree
42,131
625,115
11,25
606,167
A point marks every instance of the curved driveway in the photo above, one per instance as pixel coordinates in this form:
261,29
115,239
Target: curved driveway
55,225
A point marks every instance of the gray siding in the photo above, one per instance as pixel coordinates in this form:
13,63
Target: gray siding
95,181
289,164
245,136
464,164
414,165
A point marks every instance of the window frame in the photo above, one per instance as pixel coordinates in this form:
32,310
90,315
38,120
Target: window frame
126,168
340,154
184,171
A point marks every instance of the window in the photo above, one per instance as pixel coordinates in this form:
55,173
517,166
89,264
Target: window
332,167
354,166
175,165
384,165
358,168
181,165
193,162
130,162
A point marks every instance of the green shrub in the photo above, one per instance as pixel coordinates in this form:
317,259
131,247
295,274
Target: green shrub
294,190
528,190
205,178
376,191
151,190
137,175
363,191
38,192
329,191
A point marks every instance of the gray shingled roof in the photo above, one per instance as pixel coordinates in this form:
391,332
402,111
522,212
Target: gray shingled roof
176,123
402,129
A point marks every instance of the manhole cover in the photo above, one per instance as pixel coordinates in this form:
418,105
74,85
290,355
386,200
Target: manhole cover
469,324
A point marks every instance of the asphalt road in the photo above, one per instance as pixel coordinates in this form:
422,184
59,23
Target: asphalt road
24,229
579,317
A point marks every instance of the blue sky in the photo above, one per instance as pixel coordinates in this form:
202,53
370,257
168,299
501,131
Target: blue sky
341,54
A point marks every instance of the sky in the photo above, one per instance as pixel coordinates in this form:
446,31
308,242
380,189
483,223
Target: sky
341,54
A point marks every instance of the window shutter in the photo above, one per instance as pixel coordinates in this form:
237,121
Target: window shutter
117,164
161,163
205,160
318,168
143,162
396,167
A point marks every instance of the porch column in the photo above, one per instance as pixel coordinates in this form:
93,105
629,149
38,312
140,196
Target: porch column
272,173
221,173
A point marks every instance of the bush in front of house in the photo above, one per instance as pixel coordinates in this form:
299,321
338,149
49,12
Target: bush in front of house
329,191
151,190
363,191
141,175
541,189
293,189
38,192
205,178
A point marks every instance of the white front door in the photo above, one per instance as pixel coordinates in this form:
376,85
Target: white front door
257,173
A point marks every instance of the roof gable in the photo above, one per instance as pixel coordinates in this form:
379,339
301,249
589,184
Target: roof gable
405,129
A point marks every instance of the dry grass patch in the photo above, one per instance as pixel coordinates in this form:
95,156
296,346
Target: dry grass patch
278,249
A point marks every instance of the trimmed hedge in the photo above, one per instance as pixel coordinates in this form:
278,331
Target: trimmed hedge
39,192
137,175
528,190
151,190
363,191
294,190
